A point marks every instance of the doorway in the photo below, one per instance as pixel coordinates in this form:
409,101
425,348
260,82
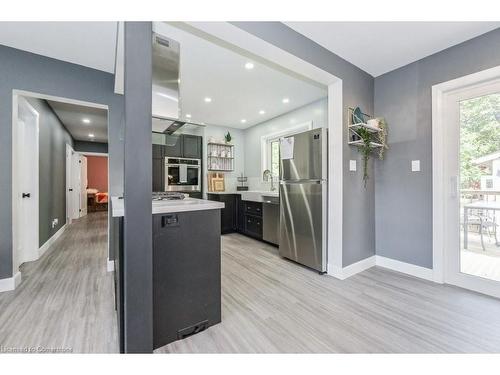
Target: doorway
470,192
25,189
51,136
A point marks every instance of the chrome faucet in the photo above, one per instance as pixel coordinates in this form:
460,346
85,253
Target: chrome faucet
266,175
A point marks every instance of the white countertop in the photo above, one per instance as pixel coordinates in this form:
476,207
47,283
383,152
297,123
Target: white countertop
250,195
165,207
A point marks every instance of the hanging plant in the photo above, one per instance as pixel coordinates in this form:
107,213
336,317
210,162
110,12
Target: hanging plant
368,147
382,137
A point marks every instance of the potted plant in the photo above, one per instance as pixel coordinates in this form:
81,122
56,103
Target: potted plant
228,138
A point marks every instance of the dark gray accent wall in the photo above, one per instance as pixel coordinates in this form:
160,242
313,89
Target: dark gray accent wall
357,86
52,141
84,146
26,71
138,220
403,198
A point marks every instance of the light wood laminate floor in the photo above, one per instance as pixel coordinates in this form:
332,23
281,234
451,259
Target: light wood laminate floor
66,298
271,305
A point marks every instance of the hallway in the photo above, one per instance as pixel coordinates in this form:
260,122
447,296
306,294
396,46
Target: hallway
66,298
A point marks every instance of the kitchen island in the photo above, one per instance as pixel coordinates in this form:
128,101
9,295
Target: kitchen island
186,267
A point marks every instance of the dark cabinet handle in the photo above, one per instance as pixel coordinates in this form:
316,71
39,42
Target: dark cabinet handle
26,195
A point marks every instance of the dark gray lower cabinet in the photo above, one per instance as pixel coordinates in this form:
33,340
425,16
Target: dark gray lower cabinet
240,207
253,219
229,213
186,274
239,216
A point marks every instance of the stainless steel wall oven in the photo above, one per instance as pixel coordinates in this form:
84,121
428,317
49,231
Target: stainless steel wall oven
182,174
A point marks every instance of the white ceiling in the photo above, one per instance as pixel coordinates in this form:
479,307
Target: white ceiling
209,70
91,44
72,116
379,47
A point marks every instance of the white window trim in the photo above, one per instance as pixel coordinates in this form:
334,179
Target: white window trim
265,142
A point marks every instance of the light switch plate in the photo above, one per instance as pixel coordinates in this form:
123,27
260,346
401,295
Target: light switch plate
415,165
352,165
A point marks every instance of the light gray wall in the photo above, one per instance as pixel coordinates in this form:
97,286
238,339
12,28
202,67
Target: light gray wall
85,146
26,71
404,198
53,138
357,86
317,112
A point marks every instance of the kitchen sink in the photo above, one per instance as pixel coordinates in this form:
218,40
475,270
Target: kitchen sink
257,195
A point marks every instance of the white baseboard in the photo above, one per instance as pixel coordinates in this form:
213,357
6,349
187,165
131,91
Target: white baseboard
10,283
377,260
51,240
352,269
407,268
111,265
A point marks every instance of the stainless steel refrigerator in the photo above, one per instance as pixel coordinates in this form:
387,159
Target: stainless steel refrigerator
303,198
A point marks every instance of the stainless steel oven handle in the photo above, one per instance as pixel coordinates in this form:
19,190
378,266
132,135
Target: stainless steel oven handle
178,165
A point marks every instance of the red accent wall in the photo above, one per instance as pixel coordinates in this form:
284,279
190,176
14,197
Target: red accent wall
97,172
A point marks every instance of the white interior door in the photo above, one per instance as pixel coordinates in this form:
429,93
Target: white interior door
83,185
472,204
69,184
26,228
75,185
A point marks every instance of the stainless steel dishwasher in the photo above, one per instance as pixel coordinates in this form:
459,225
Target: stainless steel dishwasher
271,219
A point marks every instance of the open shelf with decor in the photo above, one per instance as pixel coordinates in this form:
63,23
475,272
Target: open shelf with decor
368,134
220,157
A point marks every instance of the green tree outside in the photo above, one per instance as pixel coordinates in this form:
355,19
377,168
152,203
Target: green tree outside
479,136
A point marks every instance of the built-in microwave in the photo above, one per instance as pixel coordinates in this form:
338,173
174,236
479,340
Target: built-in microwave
182,174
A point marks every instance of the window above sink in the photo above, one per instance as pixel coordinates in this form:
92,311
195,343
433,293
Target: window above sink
270,147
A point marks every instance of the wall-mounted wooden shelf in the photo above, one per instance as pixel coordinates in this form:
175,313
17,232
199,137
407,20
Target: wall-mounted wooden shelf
220,157
360,143
355,138
371,129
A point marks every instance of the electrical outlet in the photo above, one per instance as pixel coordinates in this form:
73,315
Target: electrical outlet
415,165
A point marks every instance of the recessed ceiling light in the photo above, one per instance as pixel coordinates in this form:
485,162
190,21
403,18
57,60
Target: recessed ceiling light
86,121
249,65
91,135
188,115
243,120
286,100
261,112
208,100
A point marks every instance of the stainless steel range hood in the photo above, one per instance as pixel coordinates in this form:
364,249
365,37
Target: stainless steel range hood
166,63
